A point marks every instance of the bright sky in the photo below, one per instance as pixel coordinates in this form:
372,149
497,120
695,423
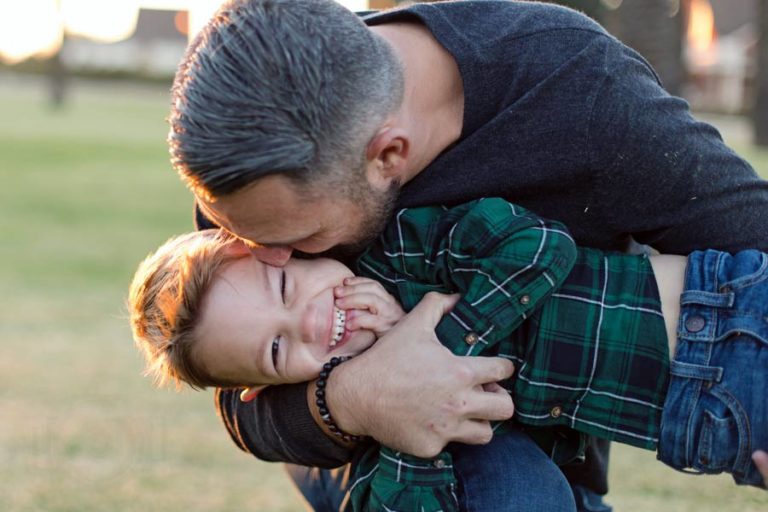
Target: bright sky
34,28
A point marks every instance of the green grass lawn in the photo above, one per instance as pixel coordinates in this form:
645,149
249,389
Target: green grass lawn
87,192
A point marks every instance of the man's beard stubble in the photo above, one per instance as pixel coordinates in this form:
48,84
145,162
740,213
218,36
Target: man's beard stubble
378,210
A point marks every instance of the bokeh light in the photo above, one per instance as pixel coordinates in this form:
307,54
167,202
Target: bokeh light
31,27
35,28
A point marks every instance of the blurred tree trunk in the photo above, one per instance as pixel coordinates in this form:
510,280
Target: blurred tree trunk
57,80
57,73
654,28
760,111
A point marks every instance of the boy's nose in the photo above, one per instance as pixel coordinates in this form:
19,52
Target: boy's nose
275,255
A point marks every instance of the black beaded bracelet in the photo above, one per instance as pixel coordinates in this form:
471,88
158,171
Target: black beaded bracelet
322,405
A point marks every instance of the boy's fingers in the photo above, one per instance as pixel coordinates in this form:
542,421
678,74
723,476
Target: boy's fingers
368,301
361,319
372,288
364,321
352,281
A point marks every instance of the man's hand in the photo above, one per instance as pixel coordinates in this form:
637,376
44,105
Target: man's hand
760,458
411,394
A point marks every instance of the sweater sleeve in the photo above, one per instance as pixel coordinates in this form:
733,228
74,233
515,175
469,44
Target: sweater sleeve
665,177
278,426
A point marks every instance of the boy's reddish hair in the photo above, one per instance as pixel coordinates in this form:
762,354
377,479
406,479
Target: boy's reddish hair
165,301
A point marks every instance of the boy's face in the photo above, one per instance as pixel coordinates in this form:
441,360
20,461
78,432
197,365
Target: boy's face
262,324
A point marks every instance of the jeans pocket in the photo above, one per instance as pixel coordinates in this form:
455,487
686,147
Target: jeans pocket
718,443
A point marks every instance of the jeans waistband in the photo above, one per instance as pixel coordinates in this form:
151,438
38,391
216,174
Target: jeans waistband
722,295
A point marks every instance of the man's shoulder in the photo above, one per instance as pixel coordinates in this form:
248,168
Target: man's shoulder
494,16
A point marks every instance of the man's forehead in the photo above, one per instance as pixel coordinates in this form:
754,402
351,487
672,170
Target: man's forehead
263,225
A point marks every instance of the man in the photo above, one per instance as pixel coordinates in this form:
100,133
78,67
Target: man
299,127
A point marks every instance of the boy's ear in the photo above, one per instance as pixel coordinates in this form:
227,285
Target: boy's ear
249,394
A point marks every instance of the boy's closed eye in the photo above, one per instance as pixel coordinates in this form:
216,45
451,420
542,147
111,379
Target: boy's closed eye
277,339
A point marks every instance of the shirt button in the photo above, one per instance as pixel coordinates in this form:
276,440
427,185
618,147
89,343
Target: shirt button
439,463
471,338
525,300
556,411
695,323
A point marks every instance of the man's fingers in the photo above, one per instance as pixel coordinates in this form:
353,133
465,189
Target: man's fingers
473,432
494,405
489,369
760,458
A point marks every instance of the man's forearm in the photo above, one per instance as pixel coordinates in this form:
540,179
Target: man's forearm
278,426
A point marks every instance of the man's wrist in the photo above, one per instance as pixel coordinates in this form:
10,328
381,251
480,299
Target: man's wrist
341,420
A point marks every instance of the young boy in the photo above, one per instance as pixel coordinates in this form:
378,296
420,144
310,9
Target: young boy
588,331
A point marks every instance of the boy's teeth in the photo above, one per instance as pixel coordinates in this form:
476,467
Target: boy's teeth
339,319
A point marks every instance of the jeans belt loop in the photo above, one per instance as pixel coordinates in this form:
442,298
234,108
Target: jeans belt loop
715,300
696,371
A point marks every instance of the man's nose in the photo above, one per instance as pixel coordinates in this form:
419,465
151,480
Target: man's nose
277,255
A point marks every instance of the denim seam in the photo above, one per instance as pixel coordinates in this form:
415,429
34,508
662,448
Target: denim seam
757,276
742,425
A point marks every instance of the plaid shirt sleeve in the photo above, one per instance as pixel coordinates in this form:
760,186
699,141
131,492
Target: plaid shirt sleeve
505,261
395,481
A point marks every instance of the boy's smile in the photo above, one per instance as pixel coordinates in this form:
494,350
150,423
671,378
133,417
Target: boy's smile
262,324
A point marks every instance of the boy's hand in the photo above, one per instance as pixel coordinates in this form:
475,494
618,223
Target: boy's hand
368,305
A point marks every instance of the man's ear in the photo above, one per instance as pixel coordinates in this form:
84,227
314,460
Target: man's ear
387,156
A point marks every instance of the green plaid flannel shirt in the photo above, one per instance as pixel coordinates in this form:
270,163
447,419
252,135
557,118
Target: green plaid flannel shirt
584,329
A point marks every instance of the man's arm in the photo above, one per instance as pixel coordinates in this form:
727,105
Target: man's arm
664,177
277,426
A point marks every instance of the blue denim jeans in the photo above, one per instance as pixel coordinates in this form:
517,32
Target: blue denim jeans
716,411
509,474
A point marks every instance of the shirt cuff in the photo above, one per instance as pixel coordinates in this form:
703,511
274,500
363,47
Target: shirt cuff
408,469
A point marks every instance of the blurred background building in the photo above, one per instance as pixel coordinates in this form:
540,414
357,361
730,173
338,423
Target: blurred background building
704,50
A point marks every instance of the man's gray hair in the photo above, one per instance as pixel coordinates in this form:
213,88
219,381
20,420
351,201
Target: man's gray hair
279,86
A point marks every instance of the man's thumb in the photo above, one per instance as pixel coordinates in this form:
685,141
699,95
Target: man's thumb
434,305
